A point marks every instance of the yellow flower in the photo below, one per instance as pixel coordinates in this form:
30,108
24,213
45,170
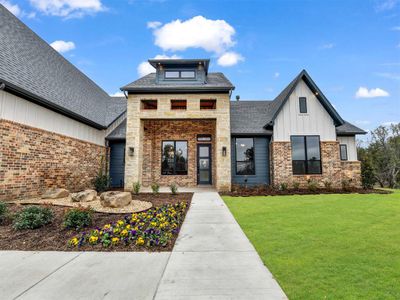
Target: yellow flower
154,224
74,241
120,222
140,241
128,226
115,240
124,233
116,230
93,239
107,226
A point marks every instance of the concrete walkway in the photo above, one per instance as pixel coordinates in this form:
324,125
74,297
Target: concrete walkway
213,259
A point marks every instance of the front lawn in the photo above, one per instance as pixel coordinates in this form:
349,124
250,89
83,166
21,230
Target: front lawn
326,246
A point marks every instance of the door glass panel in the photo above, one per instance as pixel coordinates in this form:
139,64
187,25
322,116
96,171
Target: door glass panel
204,176
204,164
204,152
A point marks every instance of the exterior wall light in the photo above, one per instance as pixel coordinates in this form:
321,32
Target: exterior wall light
224,151
131,151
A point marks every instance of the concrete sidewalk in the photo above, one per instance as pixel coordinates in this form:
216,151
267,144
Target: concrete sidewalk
213,259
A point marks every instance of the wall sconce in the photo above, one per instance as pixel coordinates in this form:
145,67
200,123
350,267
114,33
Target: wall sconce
131,151
224,151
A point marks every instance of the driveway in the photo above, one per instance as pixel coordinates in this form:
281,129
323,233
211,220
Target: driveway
212,259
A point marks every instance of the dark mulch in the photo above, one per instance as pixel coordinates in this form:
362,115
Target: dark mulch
269,191
53,237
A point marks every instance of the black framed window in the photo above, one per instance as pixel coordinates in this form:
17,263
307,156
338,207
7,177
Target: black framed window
174,160
306,155
343,151
245,156
303,105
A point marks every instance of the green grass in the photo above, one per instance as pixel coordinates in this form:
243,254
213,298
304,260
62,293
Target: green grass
326,246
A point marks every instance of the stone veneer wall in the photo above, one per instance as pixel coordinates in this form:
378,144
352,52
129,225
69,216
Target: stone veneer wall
135,130
333,169
156,131
33,160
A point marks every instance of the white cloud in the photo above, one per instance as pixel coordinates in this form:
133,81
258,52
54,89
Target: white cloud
68,8
145,68
62,46
277,74
327,46
229,59
118,94
153,24
13,8
211,35
387,124
363,92
394,76
384,5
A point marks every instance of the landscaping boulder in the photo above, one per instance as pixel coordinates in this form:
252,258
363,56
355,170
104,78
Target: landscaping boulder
115,199
84,196
55,193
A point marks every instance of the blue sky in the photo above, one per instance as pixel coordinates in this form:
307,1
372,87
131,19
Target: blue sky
350,48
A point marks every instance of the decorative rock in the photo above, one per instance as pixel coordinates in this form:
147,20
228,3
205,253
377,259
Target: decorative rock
84,196
115,199
55,193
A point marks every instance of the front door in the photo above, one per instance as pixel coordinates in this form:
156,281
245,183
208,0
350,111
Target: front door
204,164
117,163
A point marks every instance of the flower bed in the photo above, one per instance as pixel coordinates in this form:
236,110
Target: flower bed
154,227
55,236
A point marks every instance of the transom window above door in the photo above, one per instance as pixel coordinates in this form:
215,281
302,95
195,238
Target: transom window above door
174,158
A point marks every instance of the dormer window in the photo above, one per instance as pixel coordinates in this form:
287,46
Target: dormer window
180,74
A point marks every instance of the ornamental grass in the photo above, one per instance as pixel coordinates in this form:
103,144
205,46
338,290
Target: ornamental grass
154,227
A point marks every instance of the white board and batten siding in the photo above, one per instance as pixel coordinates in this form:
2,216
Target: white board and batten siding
350,141
16,109
316,121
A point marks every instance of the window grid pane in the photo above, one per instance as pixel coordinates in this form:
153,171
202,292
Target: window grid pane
343,152
245,156
306,155
303,105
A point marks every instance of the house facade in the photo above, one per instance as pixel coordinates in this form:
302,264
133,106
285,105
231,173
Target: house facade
176,125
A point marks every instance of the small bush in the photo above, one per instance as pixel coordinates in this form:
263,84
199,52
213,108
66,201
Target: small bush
328,184
77,218
346,185
283,186
136,187
296,185
3,211
33,217
174,189
367,175
102,183
312,185
155,187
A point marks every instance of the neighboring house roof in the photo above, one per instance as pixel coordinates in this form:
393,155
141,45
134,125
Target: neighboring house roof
281,99
118,133
34,70
214,82
248,117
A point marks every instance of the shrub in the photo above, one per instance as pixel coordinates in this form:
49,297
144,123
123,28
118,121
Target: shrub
328,184
3,211
312,185
136,187
32,217
155,187
174,189
102,181
367,175
283,186
296,185
346,185
77,218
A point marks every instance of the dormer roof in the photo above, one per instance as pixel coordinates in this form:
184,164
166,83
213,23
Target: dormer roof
180,63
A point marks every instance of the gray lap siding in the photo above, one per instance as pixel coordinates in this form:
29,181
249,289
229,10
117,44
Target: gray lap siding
261,162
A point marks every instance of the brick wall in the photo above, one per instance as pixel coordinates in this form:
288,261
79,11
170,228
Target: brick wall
156,131
333,169
32,160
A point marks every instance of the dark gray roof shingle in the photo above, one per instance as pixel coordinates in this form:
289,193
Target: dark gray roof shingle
249,117
215,81
29,64
114,108
349,129
118,133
